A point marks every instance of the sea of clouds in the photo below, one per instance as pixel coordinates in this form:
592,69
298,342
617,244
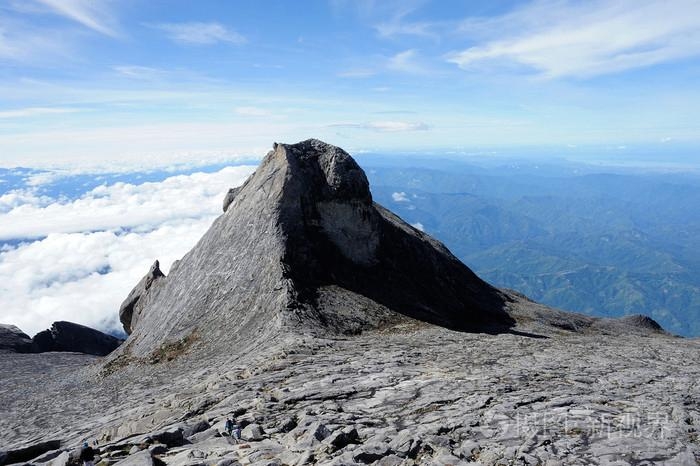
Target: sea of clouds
72,255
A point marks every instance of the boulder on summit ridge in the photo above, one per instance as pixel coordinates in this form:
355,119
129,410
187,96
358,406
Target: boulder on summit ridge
69,336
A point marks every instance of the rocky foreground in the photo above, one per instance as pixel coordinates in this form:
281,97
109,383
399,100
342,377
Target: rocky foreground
412,394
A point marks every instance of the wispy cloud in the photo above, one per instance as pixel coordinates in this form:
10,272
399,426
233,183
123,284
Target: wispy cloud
252,111
90,13
36,111
24,43
139,72
7,49
397,25
386,126
563,38
390,18
406,62
197,33
357,73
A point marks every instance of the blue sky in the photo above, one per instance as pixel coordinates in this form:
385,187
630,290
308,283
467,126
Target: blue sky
85,82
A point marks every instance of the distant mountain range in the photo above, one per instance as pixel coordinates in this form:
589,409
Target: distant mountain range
601,241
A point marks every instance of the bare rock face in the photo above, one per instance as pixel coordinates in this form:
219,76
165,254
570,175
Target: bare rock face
337,236
68,336
133,304
13,339
301,232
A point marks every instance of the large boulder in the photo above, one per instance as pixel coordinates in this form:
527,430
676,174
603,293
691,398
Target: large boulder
13,339
68,336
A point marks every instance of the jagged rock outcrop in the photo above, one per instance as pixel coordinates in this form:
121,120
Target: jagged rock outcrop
299,240
68,336
230,196
642,322
130,310
14,339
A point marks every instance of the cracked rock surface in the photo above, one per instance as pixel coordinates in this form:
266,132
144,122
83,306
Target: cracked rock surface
411,394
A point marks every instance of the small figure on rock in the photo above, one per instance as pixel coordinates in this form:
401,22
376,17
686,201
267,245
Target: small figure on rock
87,455
233,429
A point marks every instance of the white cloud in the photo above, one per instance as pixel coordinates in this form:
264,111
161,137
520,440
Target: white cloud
386,126
83,276
119,205
16,198
418,226
399,197
562,38
42,178
197,33
90,13
36,111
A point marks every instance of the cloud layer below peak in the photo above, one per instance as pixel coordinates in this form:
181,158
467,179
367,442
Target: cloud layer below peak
95,248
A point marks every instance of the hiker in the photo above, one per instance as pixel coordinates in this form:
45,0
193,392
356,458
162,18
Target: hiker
229,426
87,455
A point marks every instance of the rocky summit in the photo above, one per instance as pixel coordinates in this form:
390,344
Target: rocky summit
301,248
331,332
